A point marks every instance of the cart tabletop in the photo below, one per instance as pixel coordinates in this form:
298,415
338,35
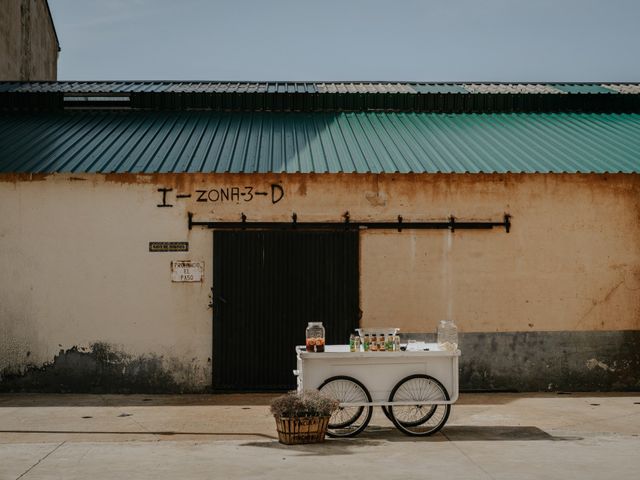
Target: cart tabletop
342,351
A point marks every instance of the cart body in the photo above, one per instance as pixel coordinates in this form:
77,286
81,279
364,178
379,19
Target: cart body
379,371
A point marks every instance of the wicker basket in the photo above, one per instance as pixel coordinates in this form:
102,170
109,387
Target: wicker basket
297,430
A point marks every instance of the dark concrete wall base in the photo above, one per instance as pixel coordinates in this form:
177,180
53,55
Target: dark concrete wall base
519,361
99,369
549,361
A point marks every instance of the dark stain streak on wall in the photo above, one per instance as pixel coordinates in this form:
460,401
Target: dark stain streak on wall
99,369
549,361
507,361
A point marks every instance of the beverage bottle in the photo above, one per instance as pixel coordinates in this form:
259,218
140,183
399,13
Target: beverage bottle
357,343
381,342
396,343
366,343
374,343
388,343
352,343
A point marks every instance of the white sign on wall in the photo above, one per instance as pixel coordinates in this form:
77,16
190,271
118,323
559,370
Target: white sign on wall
187,271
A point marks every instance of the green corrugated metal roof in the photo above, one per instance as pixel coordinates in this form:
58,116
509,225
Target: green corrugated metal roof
439,88
167,86
323,96
205,141
582,88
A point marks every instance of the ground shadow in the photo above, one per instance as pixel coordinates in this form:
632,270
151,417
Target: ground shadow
331,446
374,436
484,433
118,400
235,399
462,433
169,433
223,399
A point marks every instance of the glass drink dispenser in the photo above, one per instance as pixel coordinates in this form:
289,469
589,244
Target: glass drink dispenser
315,337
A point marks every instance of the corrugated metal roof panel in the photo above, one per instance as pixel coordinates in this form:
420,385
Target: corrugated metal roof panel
361,87
154,86
439,88
363,142
513,88
630,88
582,88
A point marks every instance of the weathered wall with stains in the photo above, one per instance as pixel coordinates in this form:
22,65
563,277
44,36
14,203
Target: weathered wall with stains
559,294
28,44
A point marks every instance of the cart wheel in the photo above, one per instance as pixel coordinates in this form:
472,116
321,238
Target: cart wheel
419,419
385,410
347,421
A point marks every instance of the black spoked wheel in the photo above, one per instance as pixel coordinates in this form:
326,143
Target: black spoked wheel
419,419
386,412
347,421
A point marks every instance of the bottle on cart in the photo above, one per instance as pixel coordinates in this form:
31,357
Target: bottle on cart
315,337
396,343
381,342
388,342
357,343
447,335
373,346
352,343
366,343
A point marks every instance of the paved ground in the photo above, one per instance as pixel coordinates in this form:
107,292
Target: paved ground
499,436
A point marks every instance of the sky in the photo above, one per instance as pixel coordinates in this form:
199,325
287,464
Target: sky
324,40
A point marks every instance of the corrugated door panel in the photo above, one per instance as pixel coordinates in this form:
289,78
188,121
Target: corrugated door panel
267,285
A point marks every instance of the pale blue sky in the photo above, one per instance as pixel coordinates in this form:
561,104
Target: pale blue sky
428,40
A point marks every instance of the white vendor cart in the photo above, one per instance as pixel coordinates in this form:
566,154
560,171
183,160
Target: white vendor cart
414,388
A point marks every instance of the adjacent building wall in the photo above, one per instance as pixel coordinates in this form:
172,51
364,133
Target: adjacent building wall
28,43
554,304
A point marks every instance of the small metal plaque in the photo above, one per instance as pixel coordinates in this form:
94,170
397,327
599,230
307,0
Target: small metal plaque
187,271
168,246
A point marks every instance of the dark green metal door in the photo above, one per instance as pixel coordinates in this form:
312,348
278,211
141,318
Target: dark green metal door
266,286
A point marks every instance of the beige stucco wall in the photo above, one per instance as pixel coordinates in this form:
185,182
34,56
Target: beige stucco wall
28,46
76,267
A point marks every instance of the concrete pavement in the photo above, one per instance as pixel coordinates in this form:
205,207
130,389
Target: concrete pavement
493,436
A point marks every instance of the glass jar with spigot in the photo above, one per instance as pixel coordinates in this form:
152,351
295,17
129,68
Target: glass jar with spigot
315,337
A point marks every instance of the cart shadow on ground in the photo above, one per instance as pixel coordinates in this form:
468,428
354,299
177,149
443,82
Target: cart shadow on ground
492,433
375,436
467,433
